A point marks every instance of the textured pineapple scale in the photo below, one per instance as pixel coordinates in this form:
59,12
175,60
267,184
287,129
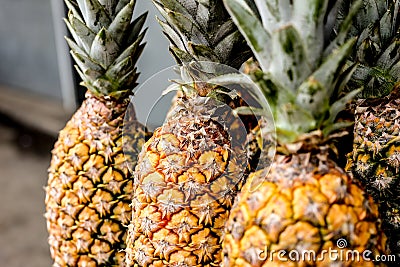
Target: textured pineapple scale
89,188
301,204
185,181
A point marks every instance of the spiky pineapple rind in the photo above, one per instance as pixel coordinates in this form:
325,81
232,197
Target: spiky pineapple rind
303,203
89,187
186,178
375,159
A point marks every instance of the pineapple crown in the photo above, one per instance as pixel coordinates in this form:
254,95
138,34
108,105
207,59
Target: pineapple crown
300,72
106,45
202,30
378,46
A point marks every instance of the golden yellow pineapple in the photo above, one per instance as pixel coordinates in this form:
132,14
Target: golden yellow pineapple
185,181
303,205
189,171
375,159
90,186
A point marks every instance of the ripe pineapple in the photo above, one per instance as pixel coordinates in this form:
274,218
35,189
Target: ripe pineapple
189,171
375,159
89,186
304,202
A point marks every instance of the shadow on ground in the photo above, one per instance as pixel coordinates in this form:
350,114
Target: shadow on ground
24,159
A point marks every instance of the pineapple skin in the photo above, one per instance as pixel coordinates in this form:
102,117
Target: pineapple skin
90,186
186,178
304,201
375,159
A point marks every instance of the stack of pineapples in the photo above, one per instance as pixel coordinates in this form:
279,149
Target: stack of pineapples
194,199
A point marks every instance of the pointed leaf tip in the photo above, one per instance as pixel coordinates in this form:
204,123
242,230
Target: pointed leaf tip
252,29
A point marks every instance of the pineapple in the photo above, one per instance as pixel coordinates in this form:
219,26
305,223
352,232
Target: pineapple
303,202
89,185
190,169
375,159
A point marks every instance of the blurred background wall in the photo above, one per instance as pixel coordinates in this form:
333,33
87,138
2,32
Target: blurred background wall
27,47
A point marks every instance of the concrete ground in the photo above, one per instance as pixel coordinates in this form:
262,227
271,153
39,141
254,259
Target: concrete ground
24,158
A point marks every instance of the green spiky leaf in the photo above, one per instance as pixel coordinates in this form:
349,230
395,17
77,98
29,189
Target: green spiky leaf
120,69
301,69
291,65
252,29
315,93
94,14
172,5
104,49
121,23
336,108
377,28
72,9
109,6
224,30
134,51
84,61
203,52
203,31
82,34
106,45
120,5
308,17
188,27
274,14
135,29
345,27
89,68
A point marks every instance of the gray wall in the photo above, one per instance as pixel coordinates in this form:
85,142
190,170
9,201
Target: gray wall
155,56
27,47
28,56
